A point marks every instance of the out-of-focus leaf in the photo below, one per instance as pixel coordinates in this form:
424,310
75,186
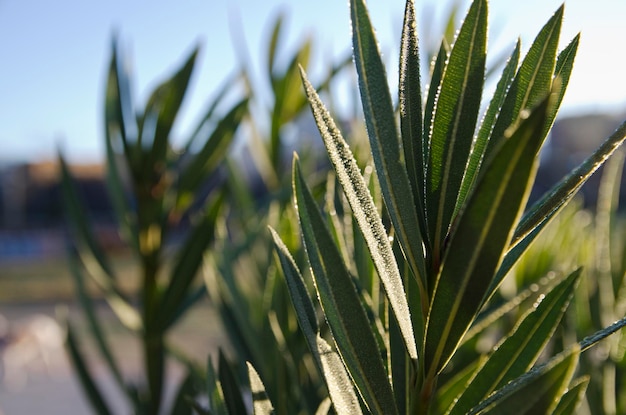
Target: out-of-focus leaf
187,265
161,111
261,403
341,304
454,120
384,139
517,352
119,118
366,214
482,234
184,396
572,398
94,322
447,393
536,392
212,153
230,387
337,380
273,44
86,379
215,393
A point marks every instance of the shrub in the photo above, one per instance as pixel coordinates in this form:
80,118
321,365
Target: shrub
452,225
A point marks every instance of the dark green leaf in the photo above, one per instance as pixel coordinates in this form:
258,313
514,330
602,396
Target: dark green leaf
184,396
479,146
592,339
161,111
532,82
454,120
341,304
536,392
384,139
86,379
538,216
215,393
482,234
230,387
437,69
410,97
338,382
187,265
211,154
517,352
573,397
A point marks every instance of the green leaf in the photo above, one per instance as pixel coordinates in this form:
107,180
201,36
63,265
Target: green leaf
542,211
366,214
482,234
161,111
410,102
532,82
447,393
184,395
341,304
86,379
230,387
187,265
94,322
437,69
536,392
573,397
592,339
480,144
91,253
273,43
215,393
261,403
454,120
210,155
384,139
337,380
119,119
126,216
517,352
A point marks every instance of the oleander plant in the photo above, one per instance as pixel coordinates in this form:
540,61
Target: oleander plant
407,287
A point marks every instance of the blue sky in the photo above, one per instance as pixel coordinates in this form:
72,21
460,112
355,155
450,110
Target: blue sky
54,54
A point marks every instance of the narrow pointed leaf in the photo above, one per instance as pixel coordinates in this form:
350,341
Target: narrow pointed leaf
212,153
453,124
187,265
230,387
438,67
571,400
86,379
94,323
366,214
542,211
215,393
384,139
480,239
162,109
261,403
532,82
536,392
183,396
338,382
480,144
341,304
119,120
520,349
410,97
591,340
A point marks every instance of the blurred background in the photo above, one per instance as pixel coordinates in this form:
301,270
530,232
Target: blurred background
54,61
